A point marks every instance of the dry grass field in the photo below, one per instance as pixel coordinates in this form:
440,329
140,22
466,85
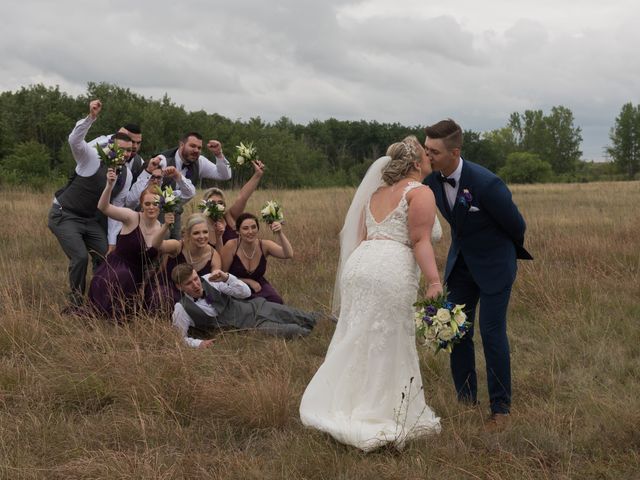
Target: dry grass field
80,398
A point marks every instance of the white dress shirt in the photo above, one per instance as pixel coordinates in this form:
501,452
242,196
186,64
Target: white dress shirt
181,319
184,188
220,170
452,192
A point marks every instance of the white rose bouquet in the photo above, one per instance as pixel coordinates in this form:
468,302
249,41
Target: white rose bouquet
271,212
246,153
439,323
213,210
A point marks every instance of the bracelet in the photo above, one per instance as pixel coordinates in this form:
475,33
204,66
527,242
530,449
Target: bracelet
434,283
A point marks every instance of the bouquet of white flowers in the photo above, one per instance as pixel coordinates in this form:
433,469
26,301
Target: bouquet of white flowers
271,212
212,209
439,323
246,153
168,200
111,154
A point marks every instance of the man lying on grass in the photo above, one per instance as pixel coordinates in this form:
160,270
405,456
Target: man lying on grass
215,302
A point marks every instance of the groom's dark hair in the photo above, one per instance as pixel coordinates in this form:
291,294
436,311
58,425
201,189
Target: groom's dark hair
447,130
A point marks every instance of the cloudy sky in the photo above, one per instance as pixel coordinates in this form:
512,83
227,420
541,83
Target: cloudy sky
407,61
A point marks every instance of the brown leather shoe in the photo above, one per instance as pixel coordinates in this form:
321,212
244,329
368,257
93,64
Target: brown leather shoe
497,422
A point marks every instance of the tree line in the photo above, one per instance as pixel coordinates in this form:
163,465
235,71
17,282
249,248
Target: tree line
532,147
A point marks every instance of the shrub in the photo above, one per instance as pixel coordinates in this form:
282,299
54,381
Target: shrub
525,167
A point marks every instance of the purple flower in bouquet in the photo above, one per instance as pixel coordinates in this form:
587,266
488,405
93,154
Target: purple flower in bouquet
112,155
440,323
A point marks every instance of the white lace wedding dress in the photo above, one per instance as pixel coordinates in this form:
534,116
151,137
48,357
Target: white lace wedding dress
368,392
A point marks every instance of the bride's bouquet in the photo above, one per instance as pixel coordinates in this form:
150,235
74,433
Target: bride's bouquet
271,212
111,154
212,209
246,153
439,323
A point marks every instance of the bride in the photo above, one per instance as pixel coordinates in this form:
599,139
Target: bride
368,392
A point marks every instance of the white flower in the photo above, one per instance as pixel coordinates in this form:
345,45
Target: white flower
220,207
240,160
443,315
446,334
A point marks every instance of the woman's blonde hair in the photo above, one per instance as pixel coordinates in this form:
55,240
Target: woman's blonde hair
404,156
192,220
213,191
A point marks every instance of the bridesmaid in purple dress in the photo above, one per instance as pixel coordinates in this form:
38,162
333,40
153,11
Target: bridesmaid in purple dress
246,256
222,231
194,249
115,289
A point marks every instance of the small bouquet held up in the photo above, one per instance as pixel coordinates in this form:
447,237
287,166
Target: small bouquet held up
168,200
439,323
111,154
211,209
271,212
246,153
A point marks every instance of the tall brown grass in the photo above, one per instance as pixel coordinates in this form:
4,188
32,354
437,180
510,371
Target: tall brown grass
81,398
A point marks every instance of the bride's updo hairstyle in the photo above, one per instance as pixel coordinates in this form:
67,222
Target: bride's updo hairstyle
404,156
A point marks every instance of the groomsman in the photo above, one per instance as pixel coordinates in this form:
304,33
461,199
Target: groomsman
487,236
74,217
135,164
187,159
214,302
153,175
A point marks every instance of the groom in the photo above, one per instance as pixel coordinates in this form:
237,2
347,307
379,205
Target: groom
487,236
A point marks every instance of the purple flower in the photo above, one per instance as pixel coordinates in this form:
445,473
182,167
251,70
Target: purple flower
465,198
431,310
427,319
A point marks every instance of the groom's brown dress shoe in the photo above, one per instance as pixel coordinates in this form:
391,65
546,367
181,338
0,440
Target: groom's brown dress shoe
497,422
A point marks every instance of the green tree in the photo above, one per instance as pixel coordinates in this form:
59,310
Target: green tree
481,150
553,137
563,147
625,141
524,167
27,165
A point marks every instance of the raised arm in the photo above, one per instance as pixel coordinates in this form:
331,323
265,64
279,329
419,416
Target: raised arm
128,217
281,248
246,191
86,156
422,213
220,170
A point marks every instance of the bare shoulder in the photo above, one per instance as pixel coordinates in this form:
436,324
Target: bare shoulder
420,193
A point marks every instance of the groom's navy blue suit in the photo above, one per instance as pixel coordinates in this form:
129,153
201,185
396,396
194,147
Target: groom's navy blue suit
487,235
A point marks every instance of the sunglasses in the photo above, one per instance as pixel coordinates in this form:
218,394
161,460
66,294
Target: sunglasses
156,177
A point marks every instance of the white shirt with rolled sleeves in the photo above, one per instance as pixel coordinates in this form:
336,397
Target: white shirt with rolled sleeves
87,164
181,319
220,170
185,189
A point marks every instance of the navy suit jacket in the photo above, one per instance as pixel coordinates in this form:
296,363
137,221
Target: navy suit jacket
488,230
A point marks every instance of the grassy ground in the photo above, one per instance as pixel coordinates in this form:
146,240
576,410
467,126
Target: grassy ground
83,399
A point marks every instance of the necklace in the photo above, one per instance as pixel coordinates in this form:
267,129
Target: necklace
253,253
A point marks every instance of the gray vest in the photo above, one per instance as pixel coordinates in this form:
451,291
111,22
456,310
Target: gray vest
81,194
232,313
194,176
